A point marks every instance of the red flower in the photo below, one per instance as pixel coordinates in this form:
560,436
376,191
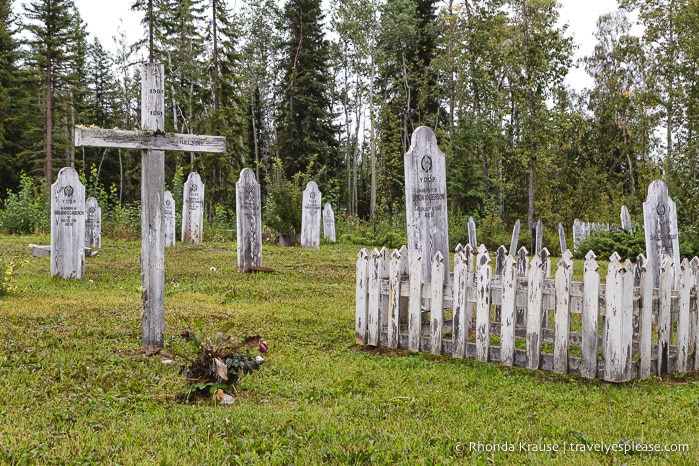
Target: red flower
264,347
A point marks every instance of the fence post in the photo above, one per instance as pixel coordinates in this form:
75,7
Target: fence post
686,282
590,317
667,279
627,320
437,303
415,304
618,321
484,273
507,328
564,277
377,271
534,311
362,294
522,271
461,322
499,266
645,321
393,329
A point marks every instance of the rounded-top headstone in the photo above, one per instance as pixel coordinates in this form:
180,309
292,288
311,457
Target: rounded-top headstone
68,225
660,224
426,199
193,210
248,221
310,216
93,223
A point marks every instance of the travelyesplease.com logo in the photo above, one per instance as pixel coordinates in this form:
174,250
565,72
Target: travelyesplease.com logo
605,448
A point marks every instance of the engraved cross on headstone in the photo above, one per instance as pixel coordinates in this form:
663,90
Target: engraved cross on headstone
153,141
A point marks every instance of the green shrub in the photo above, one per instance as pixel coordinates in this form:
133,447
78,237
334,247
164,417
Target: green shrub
385,229
27,211
689,243
604,243
122,221
282,212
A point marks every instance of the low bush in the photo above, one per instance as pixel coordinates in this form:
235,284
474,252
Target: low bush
604,243
25,212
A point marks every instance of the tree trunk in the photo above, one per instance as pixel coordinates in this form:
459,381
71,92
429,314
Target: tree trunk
49,126
215,55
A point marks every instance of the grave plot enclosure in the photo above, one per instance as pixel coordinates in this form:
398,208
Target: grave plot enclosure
583,328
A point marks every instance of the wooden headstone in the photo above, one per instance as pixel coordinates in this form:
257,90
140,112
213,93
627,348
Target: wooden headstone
562,238
578,233
537,238
426,200
93,223
329,222
169,219
626,219
310,216
515,239
660,223
68,225
248,208
193,210
472,239
152,140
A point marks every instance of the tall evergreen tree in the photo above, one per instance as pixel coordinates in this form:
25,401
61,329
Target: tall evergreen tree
260,58
227,110
407,85
50,24
305,128
539,60
9,56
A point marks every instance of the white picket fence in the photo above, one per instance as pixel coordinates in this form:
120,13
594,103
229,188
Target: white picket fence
518,316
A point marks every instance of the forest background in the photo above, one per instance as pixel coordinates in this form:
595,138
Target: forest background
332,91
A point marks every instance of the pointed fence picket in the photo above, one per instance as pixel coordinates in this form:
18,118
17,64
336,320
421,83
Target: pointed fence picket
599,330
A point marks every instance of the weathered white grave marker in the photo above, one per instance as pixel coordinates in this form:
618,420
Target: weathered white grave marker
193,210
515,239
153,141
248,210
169,219
472,239
93,223
68,225
562,238
660,223
537,238
328,222
426,200
626,219
310,216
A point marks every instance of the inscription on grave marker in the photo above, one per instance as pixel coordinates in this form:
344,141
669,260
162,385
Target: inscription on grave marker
426,200
660,223
169,219
310,216
193,210
248,221
329,222
93,224
68,225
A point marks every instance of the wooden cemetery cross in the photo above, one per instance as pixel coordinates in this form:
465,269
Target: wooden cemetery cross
153,141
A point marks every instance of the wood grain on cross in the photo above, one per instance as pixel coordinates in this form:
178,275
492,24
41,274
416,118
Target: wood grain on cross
153,141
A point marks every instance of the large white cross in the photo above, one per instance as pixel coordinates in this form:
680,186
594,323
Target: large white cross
153,141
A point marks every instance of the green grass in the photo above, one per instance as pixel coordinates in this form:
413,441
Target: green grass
75,387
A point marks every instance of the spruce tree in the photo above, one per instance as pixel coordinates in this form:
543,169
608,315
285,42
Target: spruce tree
305,129
50,24
8,79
